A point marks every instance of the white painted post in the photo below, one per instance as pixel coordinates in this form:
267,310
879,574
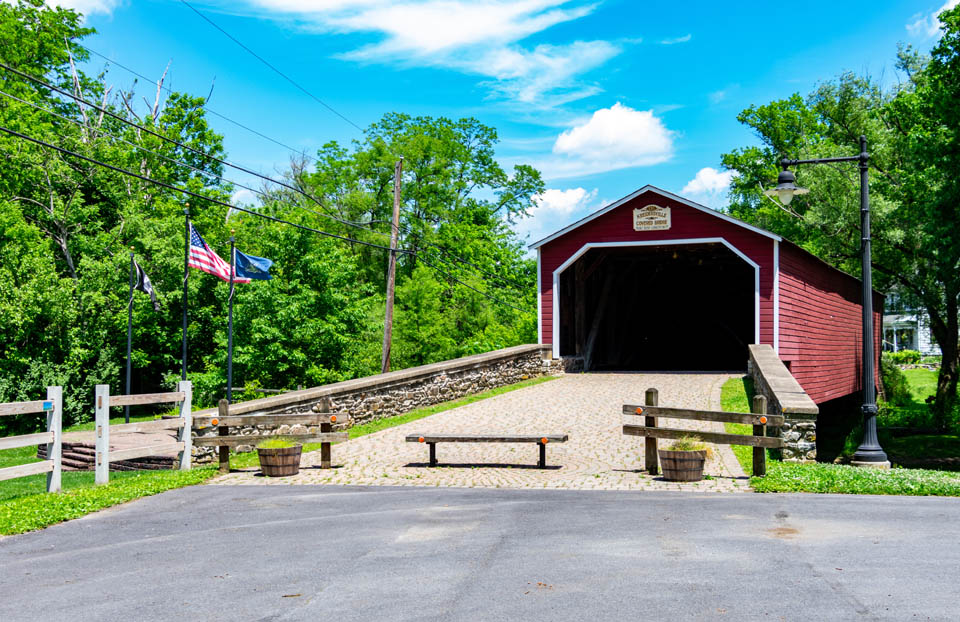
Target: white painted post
102,423
186,423
55,449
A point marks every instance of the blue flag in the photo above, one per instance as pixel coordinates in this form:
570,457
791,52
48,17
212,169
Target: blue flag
251,267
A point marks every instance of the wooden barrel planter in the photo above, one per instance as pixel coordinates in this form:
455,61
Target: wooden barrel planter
280,462
682,466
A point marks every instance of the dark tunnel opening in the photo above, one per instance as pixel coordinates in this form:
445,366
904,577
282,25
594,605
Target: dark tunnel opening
688,307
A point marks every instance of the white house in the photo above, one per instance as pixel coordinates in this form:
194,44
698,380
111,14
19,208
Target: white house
909,331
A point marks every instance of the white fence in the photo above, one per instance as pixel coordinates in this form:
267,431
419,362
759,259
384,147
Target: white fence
53,407
104,401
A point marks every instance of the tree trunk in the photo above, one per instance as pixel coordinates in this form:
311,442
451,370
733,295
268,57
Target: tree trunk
945,329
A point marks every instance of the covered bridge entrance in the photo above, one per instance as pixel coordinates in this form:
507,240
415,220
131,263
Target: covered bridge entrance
657,282
658,307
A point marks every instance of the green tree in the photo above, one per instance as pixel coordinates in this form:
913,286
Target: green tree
911,129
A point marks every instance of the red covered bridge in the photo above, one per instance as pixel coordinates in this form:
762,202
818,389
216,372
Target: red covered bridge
657,282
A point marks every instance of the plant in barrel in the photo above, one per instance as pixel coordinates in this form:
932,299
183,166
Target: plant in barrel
279,457
683,460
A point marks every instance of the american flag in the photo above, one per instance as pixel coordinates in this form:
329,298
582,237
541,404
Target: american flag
203,258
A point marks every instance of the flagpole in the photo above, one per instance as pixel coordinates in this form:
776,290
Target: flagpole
233,254
186,265
126,409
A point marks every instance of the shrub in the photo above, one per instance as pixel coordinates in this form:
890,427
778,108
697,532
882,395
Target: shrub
895,385
906,417
276,443
904,357
689,443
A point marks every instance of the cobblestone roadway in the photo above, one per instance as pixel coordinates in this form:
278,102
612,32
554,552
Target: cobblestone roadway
585,406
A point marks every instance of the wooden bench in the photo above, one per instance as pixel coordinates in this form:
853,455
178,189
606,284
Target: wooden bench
541,440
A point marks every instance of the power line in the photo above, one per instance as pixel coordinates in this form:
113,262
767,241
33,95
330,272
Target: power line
502,279
186,147
205,106
238,167
274,69
405,228
162,156
156,182
191,193
453,278
133,144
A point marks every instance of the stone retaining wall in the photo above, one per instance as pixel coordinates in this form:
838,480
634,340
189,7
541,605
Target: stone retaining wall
393,393
786,397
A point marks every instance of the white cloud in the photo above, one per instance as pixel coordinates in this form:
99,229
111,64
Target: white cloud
563,201
243,197
721,95
682,39
480,37
87,7
709,186
436,25
612,138
929,25
554,209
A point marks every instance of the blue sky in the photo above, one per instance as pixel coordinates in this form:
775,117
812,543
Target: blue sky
603,97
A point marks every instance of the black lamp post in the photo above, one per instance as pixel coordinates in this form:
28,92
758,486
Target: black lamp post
869,453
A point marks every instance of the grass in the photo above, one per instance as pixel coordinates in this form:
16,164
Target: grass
25,504
275,443
844,479
249,459
839,478
735,396
35,511
922,383
923,445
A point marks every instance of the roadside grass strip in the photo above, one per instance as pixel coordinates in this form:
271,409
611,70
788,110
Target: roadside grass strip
36,511
250,459
840,478
845,479
735,396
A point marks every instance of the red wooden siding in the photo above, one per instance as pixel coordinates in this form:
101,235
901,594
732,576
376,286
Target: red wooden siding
686,223
821,325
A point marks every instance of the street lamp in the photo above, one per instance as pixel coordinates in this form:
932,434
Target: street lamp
869,453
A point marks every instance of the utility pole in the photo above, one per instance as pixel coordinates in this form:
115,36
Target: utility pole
391,269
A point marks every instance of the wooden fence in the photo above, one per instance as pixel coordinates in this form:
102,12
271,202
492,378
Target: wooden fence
53,407
104,402
224,440
759,419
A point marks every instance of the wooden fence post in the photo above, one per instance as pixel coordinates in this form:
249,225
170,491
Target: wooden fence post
186,423
102,426
759,453
55,449
223,410
650,459
325,458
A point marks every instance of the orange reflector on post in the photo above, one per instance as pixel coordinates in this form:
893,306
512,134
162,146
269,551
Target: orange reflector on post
420,439
544,440
639,410
214,421
333,418
763,419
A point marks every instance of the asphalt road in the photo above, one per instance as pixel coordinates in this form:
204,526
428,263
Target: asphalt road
341,554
